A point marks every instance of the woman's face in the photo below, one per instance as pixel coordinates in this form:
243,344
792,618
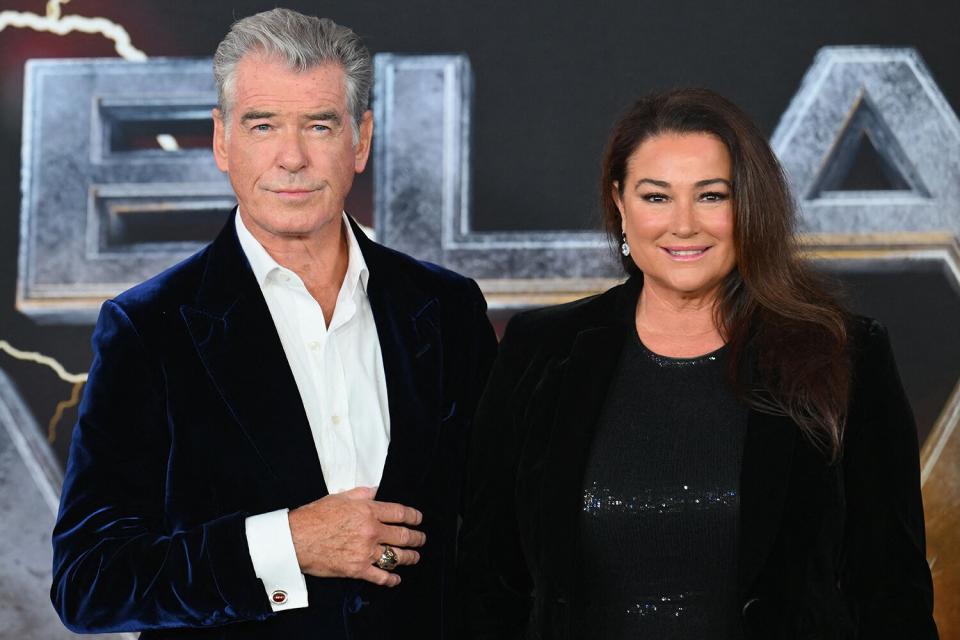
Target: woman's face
677,213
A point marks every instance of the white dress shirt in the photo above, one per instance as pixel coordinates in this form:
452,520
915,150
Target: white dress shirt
339,373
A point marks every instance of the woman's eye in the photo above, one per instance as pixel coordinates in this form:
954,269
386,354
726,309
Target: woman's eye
654,197
714,196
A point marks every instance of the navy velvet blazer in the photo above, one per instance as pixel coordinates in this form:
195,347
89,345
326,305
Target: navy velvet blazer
826,550
191,421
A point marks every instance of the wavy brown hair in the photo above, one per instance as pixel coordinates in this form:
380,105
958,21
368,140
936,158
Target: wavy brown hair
776,314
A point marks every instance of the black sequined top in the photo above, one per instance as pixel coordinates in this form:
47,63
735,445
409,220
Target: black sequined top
660,502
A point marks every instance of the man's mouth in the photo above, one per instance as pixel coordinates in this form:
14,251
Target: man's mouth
293,194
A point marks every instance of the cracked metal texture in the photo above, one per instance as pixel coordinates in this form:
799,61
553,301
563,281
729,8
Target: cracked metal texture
76,181
29,490
890,95
422,182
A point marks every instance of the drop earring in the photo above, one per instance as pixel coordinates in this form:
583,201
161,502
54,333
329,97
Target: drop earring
624,247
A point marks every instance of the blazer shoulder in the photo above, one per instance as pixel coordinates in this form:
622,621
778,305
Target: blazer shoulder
558,325
878,400
865,327
167,290
868,338
427,276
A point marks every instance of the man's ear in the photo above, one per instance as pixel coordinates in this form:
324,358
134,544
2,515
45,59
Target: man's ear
219,140
362,149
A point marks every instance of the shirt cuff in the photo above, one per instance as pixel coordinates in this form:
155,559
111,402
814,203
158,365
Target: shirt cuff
275,560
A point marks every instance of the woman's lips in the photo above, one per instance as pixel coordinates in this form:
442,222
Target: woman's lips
685,254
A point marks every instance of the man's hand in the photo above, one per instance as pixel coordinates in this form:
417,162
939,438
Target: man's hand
343,534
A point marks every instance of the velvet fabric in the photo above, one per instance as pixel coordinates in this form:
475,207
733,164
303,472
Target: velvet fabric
826,551
191,421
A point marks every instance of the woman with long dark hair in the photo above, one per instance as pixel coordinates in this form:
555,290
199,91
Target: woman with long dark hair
715,448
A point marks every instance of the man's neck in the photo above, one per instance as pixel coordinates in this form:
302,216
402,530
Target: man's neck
320,259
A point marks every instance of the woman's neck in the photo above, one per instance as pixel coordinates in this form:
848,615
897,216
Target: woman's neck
676,325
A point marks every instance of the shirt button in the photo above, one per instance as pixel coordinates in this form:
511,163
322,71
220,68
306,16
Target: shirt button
335,419
279,597
314,345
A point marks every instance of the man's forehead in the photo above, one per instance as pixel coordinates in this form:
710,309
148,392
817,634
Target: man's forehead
261,79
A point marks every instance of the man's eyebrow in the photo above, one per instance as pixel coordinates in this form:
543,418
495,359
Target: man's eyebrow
256,115
324,116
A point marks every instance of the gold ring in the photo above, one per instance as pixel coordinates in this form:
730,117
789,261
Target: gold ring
388,559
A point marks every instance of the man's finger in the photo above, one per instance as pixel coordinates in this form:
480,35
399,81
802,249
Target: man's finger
402,537
406,556
398,513
380,577
360,493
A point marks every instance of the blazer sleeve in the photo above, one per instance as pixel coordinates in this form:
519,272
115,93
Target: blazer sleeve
118,564
885,577
481,351
492,572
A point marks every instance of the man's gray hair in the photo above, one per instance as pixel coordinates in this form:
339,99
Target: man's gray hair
302,42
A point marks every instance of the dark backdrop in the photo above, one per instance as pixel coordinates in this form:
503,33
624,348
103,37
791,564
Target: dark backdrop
550,79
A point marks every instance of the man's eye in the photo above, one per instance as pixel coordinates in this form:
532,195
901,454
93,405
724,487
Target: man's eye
261,127
320,128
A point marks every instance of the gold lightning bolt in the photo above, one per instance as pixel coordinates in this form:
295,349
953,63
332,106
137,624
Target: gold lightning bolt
62,406
77,379
55,22
39,358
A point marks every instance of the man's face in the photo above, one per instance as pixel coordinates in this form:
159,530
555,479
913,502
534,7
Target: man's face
288,146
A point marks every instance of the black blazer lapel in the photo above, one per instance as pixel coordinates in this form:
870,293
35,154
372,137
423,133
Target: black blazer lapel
238,343
408,327
582,380
764,478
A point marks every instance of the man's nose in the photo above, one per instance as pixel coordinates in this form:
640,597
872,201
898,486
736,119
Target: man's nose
292,155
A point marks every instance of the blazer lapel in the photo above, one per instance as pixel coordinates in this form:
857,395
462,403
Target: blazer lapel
408,327
583,379
764,478
238,343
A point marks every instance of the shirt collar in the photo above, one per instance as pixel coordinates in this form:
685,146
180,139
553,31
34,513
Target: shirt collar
263,264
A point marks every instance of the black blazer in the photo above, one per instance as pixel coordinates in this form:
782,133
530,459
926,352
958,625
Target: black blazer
191,421
825,551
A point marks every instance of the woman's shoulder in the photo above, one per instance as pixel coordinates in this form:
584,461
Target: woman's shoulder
864,327
560,323
875,375
867,336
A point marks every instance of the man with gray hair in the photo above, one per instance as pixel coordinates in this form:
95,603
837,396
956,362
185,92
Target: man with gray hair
273,431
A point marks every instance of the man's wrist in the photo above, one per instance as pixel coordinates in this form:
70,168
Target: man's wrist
275,560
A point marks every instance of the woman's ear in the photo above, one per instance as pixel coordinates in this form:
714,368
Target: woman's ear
617,198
